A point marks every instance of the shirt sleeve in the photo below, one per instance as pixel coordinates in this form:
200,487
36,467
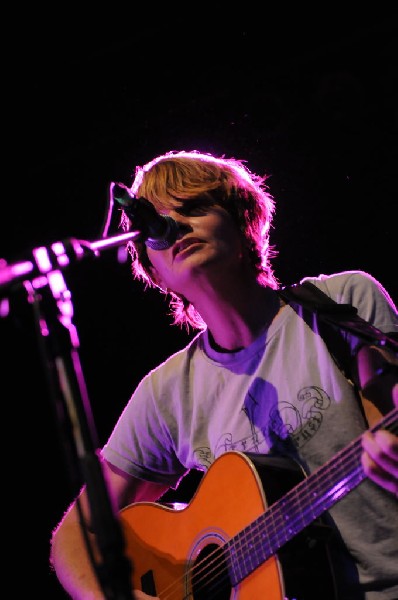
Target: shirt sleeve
140,444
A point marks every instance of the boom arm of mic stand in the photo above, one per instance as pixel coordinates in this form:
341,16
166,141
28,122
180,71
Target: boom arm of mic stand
58,341
59,255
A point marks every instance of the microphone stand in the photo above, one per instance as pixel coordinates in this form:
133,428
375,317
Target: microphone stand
59,345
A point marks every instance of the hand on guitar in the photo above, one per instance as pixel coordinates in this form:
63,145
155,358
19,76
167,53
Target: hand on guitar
380,456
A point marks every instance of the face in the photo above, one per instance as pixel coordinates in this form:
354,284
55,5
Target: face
209,247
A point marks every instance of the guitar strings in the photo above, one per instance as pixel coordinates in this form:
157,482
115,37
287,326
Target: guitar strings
260,544
279,517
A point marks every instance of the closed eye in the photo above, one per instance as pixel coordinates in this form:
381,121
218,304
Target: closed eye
195,207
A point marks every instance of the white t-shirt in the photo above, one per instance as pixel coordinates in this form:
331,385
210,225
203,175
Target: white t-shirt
283,395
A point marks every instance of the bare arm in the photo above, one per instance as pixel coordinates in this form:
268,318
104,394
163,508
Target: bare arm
69,556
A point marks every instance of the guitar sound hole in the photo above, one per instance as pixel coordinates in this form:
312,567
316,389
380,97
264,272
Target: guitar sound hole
210,579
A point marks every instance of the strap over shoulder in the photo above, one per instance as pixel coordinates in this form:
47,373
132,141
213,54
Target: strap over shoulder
374,369
344,316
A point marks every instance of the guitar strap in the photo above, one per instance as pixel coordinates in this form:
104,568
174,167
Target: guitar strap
375,362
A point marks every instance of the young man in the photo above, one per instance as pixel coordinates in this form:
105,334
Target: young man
258,380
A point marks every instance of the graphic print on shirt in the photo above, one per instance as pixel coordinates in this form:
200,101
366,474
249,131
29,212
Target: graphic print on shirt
204,457
256,409
274,426
301,421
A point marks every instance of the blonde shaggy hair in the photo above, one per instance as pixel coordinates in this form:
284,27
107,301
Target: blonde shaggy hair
184,176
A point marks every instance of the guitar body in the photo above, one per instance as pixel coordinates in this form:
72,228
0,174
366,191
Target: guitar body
178,554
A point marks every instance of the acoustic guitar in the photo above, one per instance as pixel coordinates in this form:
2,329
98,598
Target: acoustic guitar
254,530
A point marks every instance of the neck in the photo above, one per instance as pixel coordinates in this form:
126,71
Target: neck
236,319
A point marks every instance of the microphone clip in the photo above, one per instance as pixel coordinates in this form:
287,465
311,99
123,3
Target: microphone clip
159,232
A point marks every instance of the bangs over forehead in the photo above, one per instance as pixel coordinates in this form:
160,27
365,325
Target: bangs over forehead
184,175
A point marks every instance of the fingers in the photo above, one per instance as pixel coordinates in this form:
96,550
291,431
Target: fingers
380,459
142,596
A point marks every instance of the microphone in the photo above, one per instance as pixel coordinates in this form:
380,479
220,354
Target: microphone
158,231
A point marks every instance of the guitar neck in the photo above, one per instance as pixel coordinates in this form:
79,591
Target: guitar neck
304,503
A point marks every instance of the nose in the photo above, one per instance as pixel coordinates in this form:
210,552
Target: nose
183,226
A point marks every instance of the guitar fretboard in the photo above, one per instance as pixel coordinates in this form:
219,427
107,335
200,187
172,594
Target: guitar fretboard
304,503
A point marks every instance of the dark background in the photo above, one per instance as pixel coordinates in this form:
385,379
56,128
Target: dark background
309,99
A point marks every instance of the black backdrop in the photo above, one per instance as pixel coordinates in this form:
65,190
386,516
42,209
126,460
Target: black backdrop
311,100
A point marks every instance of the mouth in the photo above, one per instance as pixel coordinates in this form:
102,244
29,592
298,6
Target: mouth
184,244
